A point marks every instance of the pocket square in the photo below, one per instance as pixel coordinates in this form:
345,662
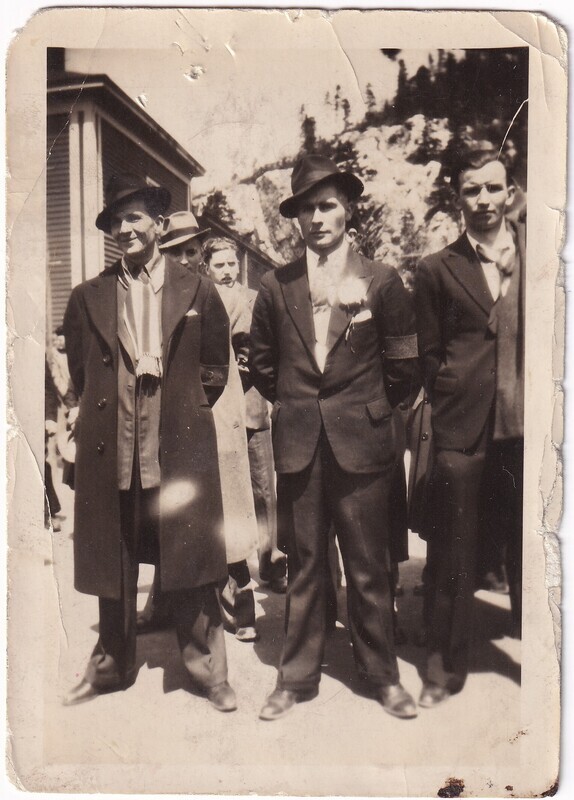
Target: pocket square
363,316
192,313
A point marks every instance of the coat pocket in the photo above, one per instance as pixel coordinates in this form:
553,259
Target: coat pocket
378,410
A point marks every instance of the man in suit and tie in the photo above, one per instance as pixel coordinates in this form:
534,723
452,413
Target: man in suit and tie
470,317
334,349
148,350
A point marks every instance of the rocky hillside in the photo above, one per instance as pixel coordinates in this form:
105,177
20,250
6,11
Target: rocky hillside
398,222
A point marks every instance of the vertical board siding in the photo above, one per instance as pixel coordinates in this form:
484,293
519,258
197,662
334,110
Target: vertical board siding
121,154
58,245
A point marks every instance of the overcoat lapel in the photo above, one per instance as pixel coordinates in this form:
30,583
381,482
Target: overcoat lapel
123,334
102,305
179,289
356,267
298,303
465,267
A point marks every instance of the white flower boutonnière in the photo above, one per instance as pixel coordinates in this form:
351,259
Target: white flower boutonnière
352,296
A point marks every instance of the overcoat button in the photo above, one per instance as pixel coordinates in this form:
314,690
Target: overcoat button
102,403
493,371
107,358
101,447
424,437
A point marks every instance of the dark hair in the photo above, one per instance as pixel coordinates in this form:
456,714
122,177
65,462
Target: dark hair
216,243
474,158
353,222
153,206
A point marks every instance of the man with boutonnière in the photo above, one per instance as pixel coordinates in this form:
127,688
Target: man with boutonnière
334,349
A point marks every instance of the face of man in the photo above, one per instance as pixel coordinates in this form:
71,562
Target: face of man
322,216
223,267
135,231
188,254
60,342
484,197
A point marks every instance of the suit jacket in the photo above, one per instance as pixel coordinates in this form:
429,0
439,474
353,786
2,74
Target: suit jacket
370,367
458,352
195,334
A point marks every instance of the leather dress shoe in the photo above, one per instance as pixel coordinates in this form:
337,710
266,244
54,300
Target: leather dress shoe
82,693
280,701
222,697
85,691
397,701
432,695
247,634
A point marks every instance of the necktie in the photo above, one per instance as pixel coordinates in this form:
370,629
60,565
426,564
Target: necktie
503,258
321,284
141,316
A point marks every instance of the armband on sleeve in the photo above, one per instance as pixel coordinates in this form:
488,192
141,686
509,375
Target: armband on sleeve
401,346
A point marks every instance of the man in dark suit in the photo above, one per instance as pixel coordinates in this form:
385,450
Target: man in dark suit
334,349
470,317
148,350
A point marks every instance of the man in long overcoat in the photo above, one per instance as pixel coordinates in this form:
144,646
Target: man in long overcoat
148,349
470,319
334,349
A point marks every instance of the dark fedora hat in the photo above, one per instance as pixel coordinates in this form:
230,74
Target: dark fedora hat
126,186
178,228
312,170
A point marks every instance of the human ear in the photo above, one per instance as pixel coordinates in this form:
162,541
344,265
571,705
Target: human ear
455,198
510,197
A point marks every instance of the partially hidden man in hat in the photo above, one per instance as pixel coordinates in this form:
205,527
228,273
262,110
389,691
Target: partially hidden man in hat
334,349
148,350
182,239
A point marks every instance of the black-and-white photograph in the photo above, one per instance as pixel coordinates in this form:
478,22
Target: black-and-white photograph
287,315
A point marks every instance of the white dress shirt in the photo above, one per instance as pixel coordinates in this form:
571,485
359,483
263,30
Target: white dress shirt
504,246
331,268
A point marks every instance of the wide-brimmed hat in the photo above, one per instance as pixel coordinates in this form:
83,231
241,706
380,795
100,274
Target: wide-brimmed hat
178,228
126,186
312,170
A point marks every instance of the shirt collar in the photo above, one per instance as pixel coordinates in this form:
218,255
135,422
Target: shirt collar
504,240
336,260
155,268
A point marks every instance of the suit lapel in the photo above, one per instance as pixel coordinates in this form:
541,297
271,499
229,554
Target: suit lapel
298,303
179,289
356,267
465,267
102,305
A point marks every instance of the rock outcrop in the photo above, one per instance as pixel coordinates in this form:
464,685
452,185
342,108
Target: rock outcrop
398,221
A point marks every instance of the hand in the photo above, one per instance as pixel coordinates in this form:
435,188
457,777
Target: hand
72,416
51,427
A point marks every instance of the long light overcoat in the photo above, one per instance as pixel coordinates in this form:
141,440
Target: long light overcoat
195,335
229,413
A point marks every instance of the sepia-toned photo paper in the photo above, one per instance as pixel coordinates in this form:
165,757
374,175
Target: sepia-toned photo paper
344,493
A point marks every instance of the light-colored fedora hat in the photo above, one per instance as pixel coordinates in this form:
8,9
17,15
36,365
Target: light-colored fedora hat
178,228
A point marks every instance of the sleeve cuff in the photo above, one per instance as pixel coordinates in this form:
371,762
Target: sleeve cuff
401,346
214,375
